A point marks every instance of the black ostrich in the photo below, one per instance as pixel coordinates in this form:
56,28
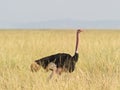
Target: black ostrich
58,63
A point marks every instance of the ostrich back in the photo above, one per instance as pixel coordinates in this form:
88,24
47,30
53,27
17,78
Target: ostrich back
61,60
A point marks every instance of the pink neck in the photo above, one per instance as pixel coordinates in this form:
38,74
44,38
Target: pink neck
77,42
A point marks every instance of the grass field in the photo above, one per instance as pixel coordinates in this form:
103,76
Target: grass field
98,67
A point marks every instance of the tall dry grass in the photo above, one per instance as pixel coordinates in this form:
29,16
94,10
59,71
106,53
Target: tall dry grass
98,67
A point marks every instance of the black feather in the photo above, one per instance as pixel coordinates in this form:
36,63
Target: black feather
62,60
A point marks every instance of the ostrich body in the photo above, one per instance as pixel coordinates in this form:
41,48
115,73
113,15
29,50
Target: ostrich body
60,62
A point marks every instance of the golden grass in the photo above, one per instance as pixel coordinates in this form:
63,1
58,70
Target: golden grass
98,67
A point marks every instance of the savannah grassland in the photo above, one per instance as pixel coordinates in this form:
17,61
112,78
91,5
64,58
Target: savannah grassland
98,67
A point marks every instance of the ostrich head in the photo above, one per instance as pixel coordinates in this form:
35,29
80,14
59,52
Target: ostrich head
79,30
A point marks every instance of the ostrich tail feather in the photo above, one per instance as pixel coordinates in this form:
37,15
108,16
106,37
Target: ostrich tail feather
34,67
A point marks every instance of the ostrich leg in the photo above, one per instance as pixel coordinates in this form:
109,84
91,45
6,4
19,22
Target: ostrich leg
51,66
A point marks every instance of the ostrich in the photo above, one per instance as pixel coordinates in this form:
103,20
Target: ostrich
58,63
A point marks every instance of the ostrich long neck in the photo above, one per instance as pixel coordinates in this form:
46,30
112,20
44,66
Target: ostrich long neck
77,42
